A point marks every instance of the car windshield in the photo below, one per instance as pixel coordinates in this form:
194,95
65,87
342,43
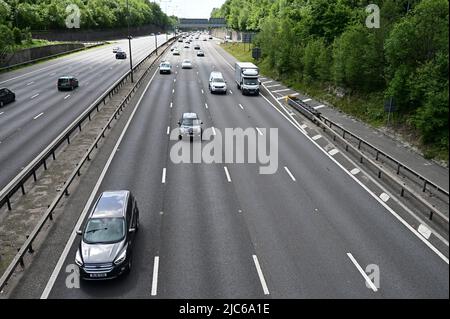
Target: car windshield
187,62
190,122
165,65
104,230
250,81
218,80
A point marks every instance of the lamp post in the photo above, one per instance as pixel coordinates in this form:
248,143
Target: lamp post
129,42
156,44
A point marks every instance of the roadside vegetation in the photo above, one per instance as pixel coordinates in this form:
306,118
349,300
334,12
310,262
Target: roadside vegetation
18,17
324,48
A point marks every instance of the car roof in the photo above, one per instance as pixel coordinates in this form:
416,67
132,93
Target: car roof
216,74
66,77
111,204
190,115
186,60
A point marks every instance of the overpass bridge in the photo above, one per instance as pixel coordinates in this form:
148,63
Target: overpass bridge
201,23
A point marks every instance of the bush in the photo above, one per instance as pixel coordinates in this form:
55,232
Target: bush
17,35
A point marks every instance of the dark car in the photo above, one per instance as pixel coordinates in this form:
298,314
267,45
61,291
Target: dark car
121,55
6,96
190,125
67,83
106,247
196,47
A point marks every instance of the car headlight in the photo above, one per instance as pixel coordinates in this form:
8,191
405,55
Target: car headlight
121,258
78,259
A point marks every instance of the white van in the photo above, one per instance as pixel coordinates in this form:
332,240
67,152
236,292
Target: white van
217,83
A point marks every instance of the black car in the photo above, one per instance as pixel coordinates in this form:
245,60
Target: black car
106,247
67,83
121,55
196,47
6,96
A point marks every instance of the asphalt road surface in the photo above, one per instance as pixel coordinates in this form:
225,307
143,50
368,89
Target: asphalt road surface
225,231
41,112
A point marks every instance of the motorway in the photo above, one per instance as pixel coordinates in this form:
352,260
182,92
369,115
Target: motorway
226,231
40,112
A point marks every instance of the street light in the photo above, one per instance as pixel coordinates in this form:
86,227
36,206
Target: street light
156,44
129,41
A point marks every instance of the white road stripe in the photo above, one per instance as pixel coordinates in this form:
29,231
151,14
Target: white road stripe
260,275
203,92
240,105
355,171
66,97
267,82
38,116
319,106
231,92
174,80
171,104
384,197
34,96
227,173
262,78
155,276
303,126
316,137
283,90
30,83
362,272
282,97
163,179
307,100
168,130
294,94
259,131
272,86
213,130
424,231
72,237
206,105
333,152
289,173
173,91
1,113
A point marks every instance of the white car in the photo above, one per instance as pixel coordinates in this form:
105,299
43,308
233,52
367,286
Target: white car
176,52
116,49
186,64
165,67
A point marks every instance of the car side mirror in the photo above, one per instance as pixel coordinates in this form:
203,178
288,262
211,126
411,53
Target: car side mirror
132,230
179,123
79,232
201,122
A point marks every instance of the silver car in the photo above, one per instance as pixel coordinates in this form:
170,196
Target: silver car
190,126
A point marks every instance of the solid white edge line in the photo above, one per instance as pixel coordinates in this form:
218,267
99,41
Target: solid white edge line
163,179
213,130
155,276
371,284
261,275
168,130
319,107
227,173
387,207
307,100
289,173
72,237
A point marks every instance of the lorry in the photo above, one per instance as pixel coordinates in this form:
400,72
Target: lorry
246,77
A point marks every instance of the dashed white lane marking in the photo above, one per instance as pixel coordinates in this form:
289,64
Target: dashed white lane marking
203,92
30,83
34,96
206,105
272,86
38,116
384,197
424,231
319,106
155,276
240,105
213,130
67,96
171,104
228,174
1,113
262,78
173,91
282,97
260,275
168,130
303,126
267,82
368,281
355,171
174,80
163,179
282,90
289,173
307,100
294,94
259,131
333,152
231,92
316,137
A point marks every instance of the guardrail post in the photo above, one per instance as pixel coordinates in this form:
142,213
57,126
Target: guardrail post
398,168
79,127
424,186
23,189
45,164
8,203
30,249
21,262
66,192
34,175
379,173
50,216
53,155
431,215
68,139
402,192
376,157
359,145
343,135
